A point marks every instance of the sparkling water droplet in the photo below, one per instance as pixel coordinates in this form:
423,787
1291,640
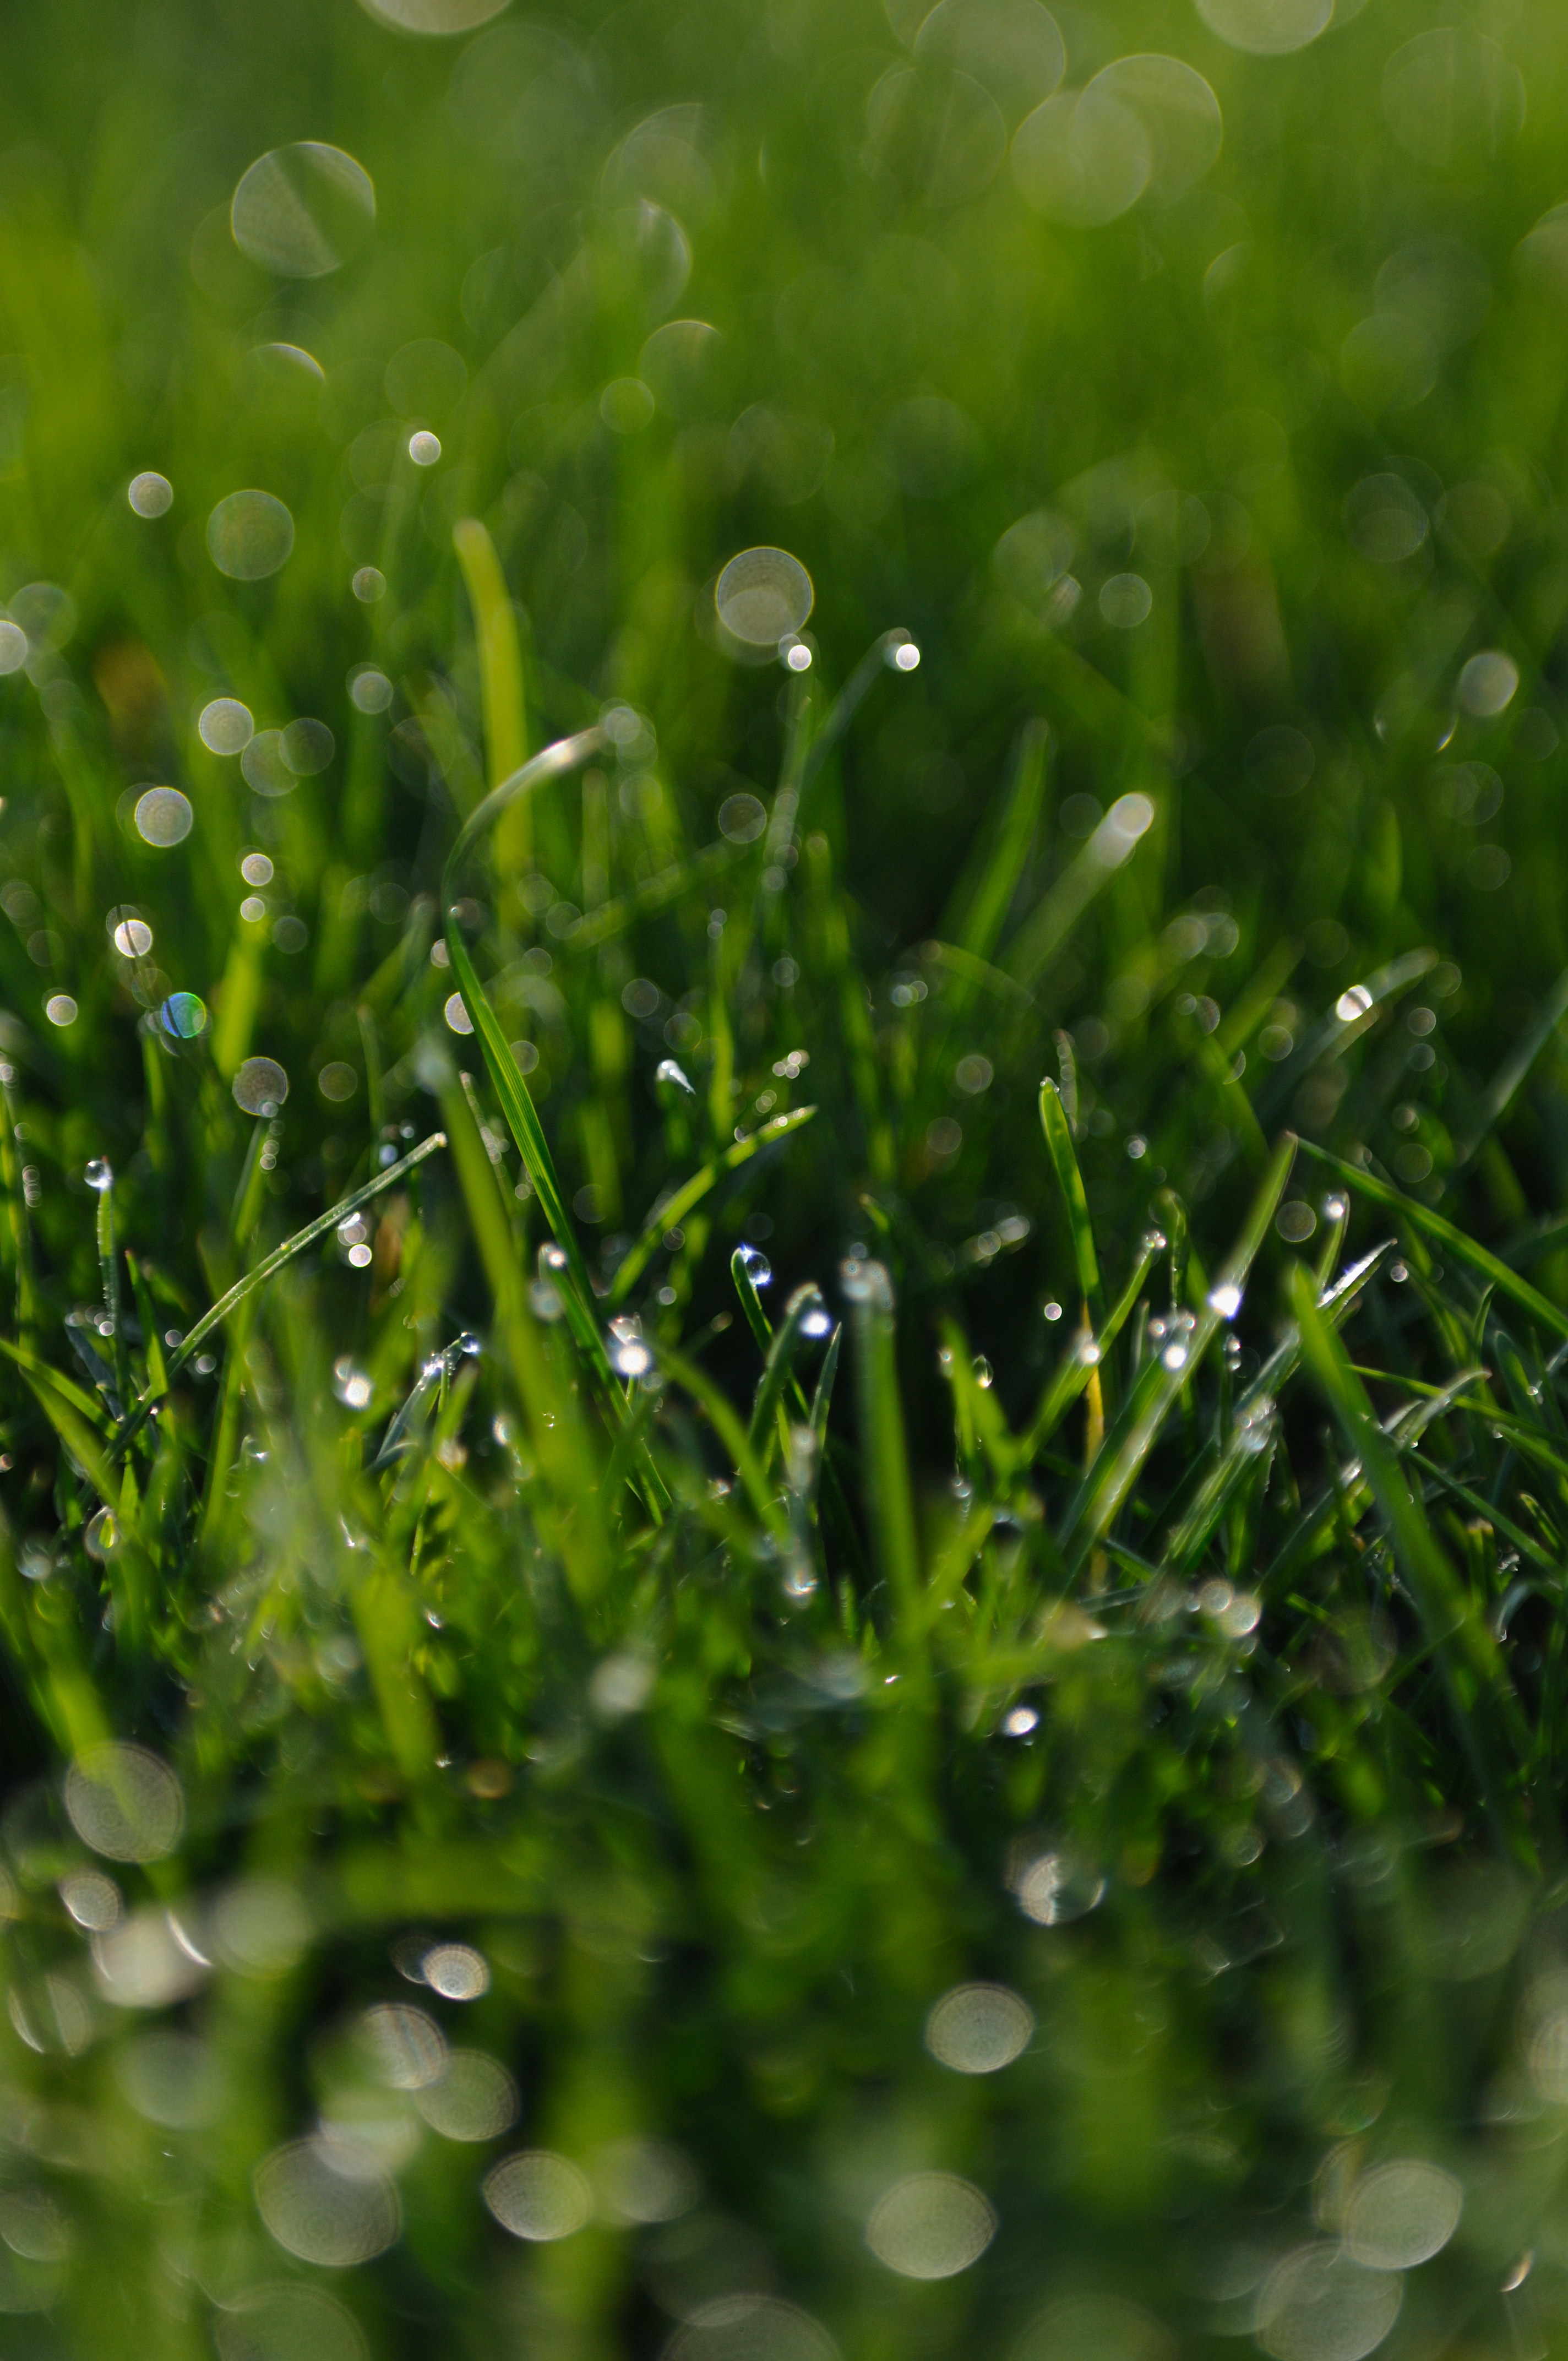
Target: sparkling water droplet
818,1321
1352,1003
668,1070
1226,1299
757,1267
100,1174
984,1375
551,1257
631,1357
1174,1356
1335,1208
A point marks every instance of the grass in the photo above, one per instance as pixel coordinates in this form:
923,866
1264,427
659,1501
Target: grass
884,1330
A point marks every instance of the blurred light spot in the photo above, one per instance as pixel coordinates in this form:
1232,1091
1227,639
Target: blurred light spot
261,1086
171,2079
150,495
1451,98
250,535
301,211
318,2213
226,726
138,1964
456,1972
265,766
1488,683
1093,2328
1402,2214
259,1927
539,2195
1296,1221
287,2322
974,1075
1385,520
645,2180
1320,2305
13,646
424,448
369,584
751,2328
370,690
93,1899
930,2226
307,747
163,815
1056,1887
1266,28
337,1080
124,1802
1023,1720
761,595
742,818
405,2047
1082,158
60,1009
1125,601
626,405
457,1014
979,2028
474,2098
1389,362
132,937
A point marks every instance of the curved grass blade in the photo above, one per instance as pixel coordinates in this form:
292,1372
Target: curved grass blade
263,1272
516,1102
691,1193
1485,1265
1070,1180
806,1304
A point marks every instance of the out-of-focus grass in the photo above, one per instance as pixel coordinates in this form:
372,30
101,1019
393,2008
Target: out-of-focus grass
588,1695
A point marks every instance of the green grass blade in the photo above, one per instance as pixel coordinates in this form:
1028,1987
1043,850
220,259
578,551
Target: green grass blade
1420,1218
805,1305
1070,1180
690,1194
889,1498
1112,843
992,894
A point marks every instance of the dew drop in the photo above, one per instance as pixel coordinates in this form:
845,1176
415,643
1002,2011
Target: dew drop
99,1174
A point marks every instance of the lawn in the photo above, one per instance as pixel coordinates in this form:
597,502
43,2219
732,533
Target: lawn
784,1454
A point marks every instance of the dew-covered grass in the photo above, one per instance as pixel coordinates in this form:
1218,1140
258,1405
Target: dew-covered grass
782,1431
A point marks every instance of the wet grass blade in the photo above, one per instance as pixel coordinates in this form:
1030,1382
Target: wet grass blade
674,1209
1070,1180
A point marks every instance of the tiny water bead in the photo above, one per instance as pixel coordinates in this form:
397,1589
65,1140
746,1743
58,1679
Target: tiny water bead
302,210
902,656
1226,1299
99,1173
226,726
261,1086
756,1266
150,495
795,654
163,817
424,448
762,596
670,1071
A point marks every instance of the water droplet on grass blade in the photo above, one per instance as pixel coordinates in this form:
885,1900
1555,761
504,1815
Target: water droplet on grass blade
669,1070
762,596
250,535
261,1086
301,211
756,1266
150,495
99,1174
1226,1299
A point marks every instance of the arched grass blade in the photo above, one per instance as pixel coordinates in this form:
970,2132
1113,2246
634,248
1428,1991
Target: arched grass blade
673,1210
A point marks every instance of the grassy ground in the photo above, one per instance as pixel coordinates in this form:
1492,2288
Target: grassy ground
783,1514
